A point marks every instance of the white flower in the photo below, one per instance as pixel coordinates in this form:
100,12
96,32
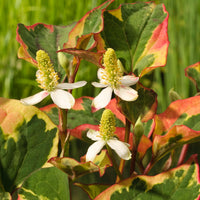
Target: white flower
121,148
48,80
60,97
104,136
111,79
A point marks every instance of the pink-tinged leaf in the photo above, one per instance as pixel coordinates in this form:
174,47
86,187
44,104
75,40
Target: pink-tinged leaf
180,112
157,46
138,34
90,23
176,136
93,57
82,113
144,145
114,108
193,73
179,183
79,103
24,132
80,131
75,169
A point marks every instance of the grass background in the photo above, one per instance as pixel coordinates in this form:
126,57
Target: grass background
17,77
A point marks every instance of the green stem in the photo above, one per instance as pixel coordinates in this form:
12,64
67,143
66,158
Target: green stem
134,152
114,162
126,139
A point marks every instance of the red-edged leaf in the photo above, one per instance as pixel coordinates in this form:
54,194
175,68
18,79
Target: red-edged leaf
179,183
90,23
138,34
193,73
75,169
42,36
113,106
93,57
176,136
180,112
81,113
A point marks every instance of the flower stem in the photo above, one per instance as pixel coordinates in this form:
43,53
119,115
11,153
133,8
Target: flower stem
63,133
126,139
114,162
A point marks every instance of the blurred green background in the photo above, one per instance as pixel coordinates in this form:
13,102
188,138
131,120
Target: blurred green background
17,77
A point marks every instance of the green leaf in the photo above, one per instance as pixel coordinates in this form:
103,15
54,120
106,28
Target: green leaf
193,73
47,183
145,106
41,36
75,169
28,139
90,23
138,34
92,190
180,183
5,196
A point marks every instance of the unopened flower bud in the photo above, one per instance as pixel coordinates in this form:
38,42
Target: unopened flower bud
173,95
63,61
138,130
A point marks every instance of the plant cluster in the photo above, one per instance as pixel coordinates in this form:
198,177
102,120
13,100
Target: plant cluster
152,156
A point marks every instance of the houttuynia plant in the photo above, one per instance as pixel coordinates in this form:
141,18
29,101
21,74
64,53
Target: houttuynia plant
136,152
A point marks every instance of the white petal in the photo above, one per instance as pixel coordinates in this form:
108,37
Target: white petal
129,80
102,100
120,148
94,149
93,135
62,99
99,85
100,73
126,93
69,86
32,100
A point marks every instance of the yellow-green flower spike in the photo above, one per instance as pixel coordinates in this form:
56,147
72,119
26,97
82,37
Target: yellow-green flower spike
107,125
46,75
113,69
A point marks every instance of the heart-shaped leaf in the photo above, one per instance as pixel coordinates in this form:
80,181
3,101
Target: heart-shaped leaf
193,73
28,139
138,34
179,183
41,36
47,183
